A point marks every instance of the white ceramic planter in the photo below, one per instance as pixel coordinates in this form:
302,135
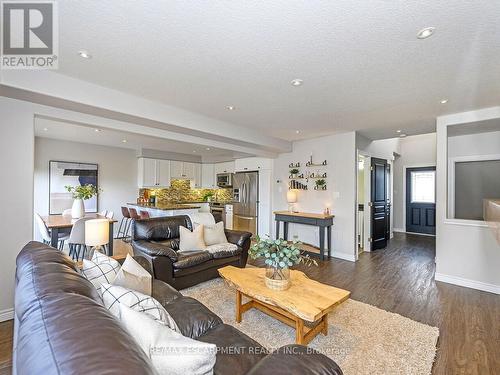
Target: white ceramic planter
78,209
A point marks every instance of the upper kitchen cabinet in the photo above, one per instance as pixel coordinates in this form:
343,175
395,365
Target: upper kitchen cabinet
189,170
153,173
208,176
227,167
177,169
253,164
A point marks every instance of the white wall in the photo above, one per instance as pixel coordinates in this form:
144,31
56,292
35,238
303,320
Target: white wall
474,144
340,152
467,253
117,172
16,192
415,151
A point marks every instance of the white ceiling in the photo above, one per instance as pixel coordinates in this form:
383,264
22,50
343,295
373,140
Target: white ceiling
47,128
362,65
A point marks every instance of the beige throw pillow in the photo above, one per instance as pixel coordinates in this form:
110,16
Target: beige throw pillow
191,240
214,234
133,276
170,352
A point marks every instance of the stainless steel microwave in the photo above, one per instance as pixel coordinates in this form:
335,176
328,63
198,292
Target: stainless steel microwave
224,180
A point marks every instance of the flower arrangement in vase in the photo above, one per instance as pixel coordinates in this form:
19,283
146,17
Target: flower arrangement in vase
279,256
80,193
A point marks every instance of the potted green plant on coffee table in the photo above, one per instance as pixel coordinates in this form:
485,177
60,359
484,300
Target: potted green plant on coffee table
279,256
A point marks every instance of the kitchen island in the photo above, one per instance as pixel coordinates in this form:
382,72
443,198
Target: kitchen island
167,209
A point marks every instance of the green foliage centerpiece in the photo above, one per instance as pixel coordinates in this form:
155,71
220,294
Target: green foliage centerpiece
80,193
279,255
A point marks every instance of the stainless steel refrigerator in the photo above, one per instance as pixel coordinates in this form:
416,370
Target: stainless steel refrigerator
246,201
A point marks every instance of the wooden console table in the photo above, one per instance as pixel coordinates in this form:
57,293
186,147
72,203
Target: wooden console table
322,221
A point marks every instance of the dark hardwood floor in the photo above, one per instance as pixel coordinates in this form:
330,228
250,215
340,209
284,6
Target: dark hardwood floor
400,279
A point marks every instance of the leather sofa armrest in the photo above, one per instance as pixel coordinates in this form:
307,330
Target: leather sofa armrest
153,249
296,360
238,238
164,293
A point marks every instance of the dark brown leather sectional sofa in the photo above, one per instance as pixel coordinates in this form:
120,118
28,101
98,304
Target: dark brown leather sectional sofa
61,327
157,240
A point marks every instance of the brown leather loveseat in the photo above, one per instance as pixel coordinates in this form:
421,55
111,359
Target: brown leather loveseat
61,327
157,240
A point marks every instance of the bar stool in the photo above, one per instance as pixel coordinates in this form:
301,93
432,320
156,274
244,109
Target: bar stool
144,214
124,223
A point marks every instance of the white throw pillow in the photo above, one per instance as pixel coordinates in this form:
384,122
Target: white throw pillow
191,240
170,352
113,296
101,269
214,234
133,276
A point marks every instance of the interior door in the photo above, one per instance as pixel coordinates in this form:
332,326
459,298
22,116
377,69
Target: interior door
421,200
379,203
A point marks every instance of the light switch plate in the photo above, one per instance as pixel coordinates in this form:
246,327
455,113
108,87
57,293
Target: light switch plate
336,195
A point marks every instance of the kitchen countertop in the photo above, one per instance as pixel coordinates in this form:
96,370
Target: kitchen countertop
167,206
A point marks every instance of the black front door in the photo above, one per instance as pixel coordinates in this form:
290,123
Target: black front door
421,200
379,203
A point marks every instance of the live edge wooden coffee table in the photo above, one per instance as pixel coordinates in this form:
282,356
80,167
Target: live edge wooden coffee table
305,301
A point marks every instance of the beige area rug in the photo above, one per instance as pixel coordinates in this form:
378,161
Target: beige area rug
362,339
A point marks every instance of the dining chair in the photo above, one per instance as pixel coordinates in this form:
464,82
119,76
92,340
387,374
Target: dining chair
45,233
76,241
144,214
67,212
110,214
103,213
124,223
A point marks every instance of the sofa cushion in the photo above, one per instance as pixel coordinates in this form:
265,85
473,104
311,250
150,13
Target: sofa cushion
191,240
170,352
188,259
192,317
114,296
238,354
159,228
223,250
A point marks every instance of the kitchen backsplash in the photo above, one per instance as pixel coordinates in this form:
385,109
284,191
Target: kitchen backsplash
180,191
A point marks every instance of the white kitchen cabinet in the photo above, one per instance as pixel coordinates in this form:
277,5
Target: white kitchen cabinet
197,181
153,173
207,176
227,167
176,169
253,164
163,173
189,170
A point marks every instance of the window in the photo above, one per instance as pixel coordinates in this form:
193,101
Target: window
423,187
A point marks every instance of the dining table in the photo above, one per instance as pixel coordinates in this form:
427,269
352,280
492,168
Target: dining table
58,223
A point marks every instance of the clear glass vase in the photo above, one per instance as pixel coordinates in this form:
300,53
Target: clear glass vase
277,278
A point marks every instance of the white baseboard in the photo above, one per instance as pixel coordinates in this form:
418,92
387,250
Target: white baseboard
479,285
399,230
344,256
7,314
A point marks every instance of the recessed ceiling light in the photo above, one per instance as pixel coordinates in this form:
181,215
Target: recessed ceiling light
297,82
444,101
230,108
425,33
194,151
84,54
402,135
45,129
398,131
297,131
208,148
97,130
124,141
